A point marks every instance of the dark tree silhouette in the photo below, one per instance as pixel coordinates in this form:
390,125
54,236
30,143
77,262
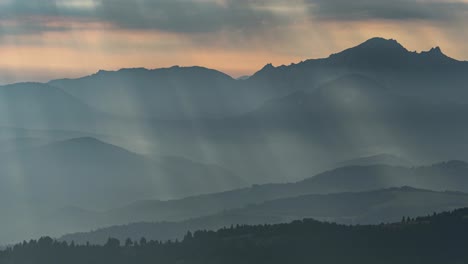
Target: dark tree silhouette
439,238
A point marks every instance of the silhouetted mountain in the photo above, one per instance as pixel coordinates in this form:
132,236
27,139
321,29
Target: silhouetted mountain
280,125
354,114
36,105
196,92
385,159
303,133
404,72
171,93
285,122
345,95
444,176
440,238
383,54
441,177
383,206
89,173
353,96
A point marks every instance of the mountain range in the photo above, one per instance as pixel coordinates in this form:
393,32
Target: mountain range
38,179
404,72
185,142
325,196
448,176
197,92
90,173
374,207
171,93
435,238
377,97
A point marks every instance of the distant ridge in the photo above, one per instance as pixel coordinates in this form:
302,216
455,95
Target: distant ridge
380,50
372,207
373,46
386,159
375,52
143,70
370,186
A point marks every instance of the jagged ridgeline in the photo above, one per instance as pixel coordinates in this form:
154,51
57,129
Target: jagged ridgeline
440,238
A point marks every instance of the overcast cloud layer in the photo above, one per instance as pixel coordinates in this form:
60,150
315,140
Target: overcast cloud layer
192,16
392,10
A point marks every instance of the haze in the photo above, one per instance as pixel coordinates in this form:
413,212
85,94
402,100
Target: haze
150,118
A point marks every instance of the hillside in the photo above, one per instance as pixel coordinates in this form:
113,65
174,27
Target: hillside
91,174
84,169
41,106
449,176
374,207
405,72
441,177
373,98
386,159
168,93
435,239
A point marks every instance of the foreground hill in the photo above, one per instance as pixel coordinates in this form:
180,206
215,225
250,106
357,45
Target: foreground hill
383,206
436,239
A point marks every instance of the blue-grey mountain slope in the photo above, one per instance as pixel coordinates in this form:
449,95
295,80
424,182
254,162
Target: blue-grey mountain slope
374,207
449,176
171,93
88,173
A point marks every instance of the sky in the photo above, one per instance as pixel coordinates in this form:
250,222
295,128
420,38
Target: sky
48,39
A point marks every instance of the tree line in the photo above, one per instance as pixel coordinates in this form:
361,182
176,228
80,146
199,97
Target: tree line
439,238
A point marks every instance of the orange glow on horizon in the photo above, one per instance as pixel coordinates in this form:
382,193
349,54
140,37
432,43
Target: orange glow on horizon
84,51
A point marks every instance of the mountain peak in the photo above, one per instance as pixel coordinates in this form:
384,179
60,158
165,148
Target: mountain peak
381,42
388,53
436,53
376,46
267,69
269,66
375,52
436,50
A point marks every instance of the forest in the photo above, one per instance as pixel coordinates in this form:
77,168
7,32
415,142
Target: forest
439,238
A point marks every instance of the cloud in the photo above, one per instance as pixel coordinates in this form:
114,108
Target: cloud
183,16
208,16
359,10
